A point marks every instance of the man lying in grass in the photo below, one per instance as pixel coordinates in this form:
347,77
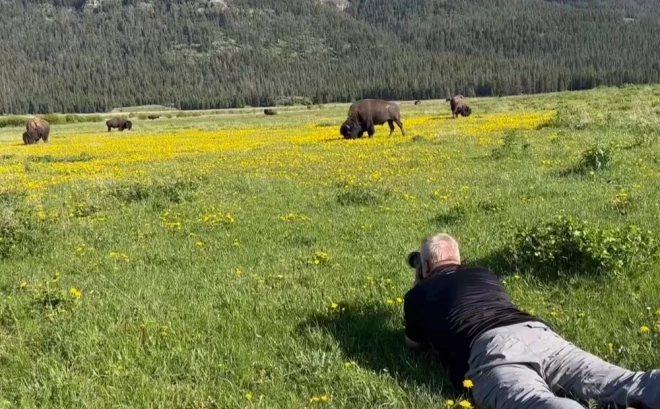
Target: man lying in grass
513,359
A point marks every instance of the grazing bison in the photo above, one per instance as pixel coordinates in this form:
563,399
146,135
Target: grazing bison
459,106
270,111
36,129
364,114
153,117
418,102
119,123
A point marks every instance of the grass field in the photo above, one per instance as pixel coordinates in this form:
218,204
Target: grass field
235,260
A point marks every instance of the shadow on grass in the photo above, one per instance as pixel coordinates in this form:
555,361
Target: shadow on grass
366,335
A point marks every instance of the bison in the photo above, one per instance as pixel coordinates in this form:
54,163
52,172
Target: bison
35,129
459,106
364,114
153,117
119,123
418,102
270,111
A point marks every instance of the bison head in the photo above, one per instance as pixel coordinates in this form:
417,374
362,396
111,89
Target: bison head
129,125
466,110
350,130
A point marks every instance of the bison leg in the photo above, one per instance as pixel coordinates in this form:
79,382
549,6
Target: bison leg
391,124
400,125
370,129
109,129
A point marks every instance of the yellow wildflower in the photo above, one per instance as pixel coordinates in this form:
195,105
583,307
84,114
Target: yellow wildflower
468,384
248,396
399,300
450,402
23,285
465,404
334,306
644,329
75,293
321,257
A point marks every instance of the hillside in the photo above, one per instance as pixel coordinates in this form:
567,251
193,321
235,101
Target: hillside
95,55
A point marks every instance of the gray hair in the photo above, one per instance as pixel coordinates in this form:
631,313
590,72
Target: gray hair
440,249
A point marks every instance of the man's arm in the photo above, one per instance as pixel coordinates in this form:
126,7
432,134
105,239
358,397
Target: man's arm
412,313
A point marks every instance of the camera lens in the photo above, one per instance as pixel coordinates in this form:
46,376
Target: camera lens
414,259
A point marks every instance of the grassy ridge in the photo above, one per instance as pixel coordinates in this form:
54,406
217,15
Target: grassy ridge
235,260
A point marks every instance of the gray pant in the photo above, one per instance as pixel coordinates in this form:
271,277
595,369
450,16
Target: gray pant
527,365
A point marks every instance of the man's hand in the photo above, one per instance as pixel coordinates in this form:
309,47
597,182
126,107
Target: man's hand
418,275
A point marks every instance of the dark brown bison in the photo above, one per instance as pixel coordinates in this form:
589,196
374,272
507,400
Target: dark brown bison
270,111
364,114
459,106
119,123
418,102
35,129
153,117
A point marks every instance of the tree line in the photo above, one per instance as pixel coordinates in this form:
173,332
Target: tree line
95,55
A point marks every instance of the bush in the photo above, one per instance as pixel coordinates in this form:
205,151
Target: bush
54,119
567,246
10,121
71,119
595,159
289,101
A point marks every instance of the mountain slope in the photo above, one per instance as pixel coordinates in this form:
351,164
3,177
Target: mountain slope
92,55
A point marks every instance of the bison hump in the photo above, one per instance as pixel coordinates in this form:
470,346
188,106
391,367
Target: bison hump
36,123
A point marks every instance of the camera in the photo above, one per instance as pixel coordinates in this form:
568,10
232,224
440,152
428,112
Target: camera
415,261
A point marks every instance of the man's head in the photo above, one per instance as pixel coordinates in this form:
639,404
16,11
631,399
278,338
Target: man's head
436,252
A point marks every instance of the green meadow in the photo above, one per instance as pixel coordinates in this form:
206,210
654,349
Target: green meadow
225,259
